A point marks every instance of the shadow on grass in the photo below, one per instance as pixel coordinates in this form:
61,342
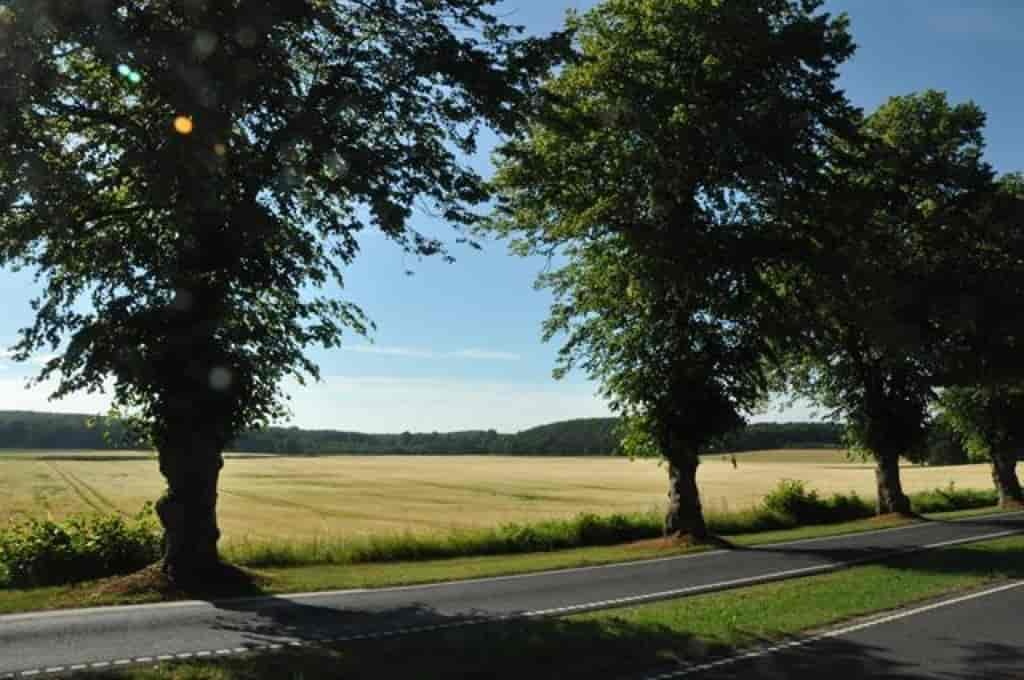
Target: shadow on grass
583,647
559,648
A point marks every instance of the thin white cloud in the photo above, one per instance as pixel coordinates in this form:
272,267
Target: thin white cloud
485,354
416,353
393,351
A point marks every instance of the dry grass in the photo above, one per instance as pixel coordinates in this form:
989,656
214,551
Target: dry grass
302,498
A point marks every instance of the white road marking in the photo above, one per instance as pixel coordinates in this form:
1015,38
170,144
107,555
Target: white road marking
721,585
767,651
99,611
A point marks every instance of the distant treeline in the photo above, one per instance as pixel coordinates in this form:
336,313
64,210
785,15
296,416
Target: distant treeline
581,437
587,436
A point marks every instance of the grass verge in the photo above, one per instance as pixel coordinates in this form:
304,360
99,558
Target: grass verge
791,505
626,642
282,580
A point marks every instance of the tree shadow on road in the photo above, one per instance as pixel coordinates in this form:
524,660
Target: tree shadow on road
540,649
956,559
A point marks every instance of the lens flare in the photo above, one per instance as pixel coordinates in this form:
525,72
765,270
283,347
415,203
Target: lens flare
129,74
183,125
221,378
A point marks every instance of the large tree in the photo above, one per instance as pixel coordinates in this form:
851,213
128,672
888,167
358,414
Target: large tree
983,398
880,306
186,177
663,173
989,419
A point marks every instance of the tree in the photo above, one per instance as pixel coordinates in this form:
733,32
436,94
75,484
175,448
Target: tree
988,418
880,305
187,177
649,173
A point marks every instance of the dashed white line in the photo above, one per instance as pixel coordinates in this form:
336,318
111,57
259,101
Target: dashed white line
599,604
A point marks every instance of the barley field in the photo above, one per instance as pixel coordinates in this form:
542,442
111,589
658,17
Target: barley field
305,497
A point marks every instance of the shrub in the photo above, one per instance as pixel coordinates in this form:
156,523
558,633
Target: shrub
792,498
44,552
951,498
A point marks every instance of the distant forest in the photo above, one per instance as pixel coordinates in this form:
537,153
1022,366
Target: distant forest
585,437
581,437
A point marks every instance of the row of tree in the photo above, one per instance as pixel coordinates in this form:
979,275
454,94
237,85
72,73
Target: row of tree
732,225
186,178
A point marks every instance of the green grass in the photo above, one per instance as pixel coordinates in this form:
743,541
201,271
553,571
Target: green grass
791,506
626,642
376,575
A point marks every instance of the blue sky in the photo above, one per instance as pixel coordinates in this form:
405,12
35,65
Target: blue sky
458,345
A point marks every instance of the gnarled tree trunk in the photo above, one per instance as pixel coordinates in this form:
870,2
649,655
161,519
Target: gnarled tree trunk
684,516
1004,475
188,511
890,491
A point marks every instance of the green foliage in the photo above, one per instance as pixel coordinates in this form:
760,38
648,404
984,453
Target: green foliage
556,534
987,418
944,446
791,497
660,170
637,437
44,552
951,498
187,178
902,269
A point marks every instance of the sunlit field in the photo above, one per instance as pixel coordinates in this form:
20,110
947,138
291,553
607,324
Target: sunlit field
300,497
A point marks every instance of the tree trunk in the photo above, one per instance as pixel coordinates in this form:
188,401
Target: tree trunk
188,510
684,512
890,491
1004,474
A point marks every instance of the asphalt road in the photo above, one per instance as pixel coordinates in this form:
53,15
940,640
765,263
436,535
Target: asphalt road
34,644
973,637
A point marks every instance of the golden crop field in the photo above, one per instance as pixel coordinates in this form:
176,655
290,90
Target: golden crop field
301,497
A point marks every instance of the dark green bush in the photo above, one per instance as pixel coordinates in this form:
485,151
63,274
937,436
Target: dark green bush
44,552
951,498
792,497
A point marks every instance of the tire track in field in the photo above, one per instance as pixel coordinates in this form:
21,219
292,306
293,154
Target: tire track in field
320,511
83,490
91,489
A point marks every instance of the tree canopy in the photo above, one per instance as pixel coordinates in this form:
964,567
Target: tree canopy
187,179
663,171
880,303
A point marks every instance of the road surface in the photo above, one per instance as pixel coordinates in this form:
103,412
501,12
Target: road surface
965,637
50,642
